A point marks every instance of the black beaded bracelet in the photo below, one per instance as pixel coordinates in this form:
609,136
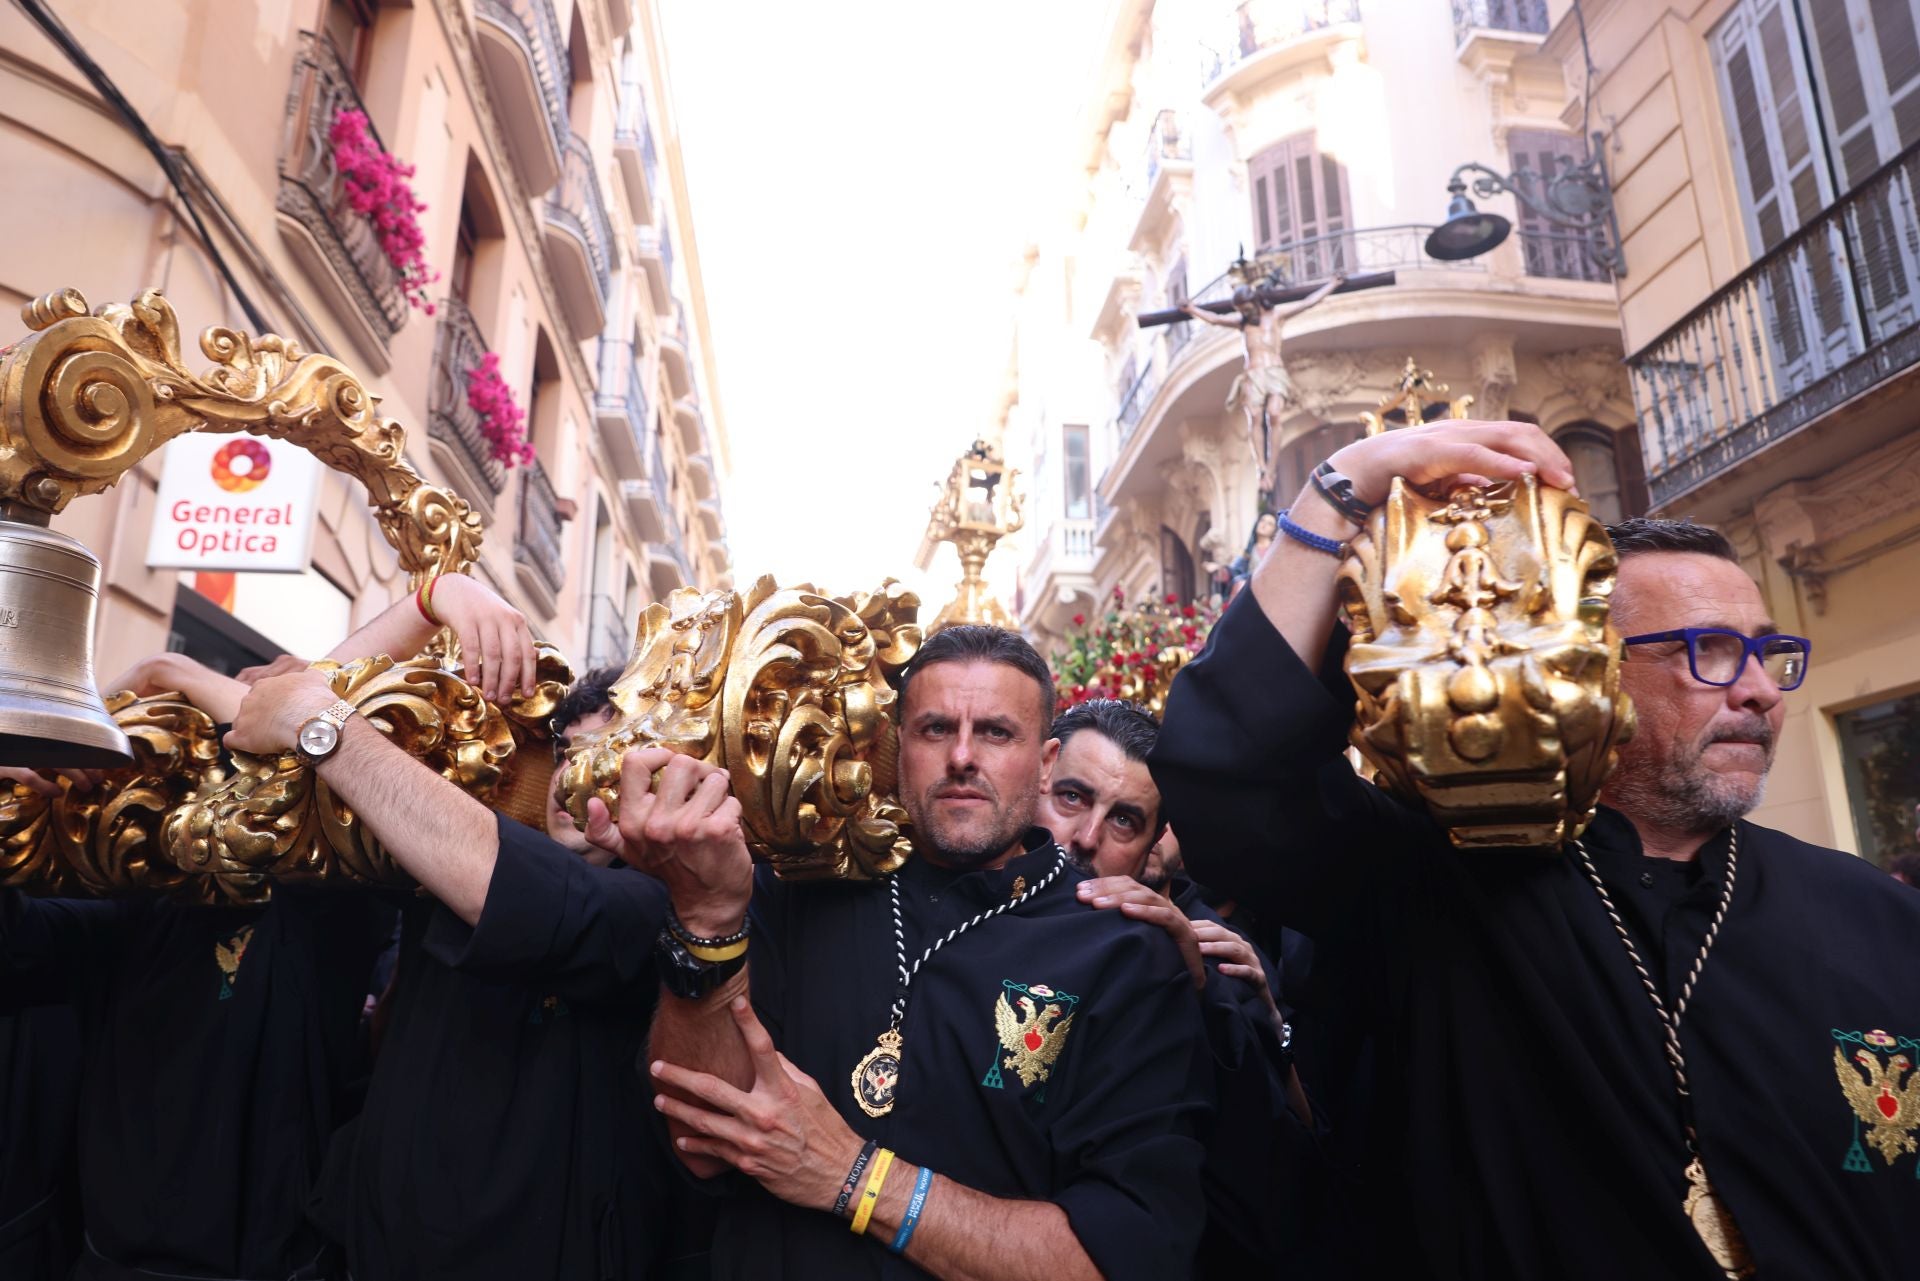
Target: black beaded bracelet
853,1178
686,935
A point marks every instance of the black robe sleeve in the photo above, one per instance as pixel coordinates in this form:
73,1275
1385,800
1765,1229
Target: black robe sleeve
46,943
1128,1145
550,917
1253,775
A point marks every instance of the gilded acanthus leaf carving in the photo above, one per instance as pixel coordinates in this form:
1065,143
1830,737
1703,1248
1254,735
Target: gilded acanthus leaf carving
790,691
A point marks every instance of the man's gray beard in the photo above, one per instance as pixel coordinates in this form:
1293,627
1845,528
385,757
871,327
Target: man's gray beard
1683,796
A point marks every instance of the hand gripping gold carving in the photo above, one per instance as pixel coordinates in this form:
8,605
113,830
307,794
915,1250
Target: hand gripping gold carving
791,692
1486,668
277,820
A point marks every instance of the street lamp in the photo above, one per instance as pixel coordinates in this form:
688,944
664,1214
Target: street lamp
1577,196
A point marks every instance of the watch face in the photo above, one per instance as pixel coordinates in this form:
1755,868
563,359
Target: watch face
317,737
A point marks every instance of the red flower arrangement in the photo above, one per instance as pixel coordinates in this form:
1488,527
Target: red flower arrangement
1131,653
377,188
502,422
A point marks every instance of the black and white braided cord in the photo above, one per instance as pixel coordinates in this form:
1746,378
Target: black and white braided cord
1669,1019
900,933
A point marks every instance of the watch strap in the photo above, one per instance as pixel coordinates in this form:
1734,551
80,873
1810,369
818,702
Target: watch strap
336,714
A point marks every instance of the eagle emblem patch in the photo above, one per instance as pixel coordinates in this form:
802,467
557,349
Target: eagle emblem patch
227,954
1032,1021
1876,1078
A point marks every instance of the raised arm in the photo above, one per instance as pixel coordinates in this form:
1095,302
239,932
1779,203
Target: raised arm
1250,759
216,695
496,645
680,823
1230,321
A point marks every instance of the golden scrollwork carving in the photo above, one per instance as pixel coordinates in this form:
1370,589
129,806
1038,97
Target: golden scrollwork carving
792,692
1485,663
87,396
103,840
275,820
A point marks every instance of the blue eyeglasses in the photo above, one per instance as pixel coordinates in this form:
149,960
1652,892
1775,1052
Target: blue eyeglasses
1718,656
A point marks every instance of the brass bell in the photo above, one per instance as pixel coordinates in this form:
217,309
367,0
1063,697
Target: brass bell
50,713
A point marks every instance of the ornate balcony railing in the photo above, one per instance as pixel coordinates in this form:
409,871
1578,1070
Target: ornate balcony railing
536,28
1562,255
1167,140
536,542
1138,396
1827,313
620,389
458,348
313,193
1258,24
666,252
577,205
608,637
632,128
1528,16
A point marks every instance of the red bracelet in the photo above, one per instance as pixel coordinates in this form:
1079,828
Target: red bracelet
423,601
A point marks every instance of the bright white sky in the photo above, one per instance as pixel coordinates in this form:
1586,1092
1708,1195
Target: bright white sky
864,175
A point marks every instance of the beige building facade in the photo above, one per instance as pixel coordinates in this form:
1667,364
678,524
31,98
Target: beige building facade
1323,134
1764,156
557,230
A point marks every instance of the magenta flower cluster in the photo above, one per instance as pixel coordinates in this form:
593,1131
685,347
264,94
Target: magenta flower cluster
377,188
501,421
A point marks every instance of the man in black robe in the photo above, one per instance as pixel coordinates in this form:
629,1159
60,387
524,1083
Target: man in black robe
1100,801
506,1132
1051,1061
222,1044
1525,1119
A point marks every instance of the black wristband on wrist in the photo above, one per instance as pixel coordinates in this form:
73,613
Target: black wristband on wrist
848,1188
686,935
1337,490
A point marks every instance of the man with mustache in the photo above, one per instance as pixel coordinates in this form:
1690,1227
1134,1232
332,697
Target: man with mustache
1683,1047
977,1074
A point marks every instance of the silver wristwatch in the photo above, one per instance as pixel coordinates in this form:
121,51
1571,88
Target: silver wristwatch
319,736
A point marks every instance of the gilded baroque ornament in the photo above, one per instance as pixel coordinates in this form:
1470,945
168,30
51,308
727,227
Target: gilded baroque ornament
792,692
1485,664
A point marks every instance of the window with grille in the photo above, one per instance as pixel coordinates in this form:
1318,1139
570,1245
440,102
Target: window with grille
1548,248
1301,207
1077,470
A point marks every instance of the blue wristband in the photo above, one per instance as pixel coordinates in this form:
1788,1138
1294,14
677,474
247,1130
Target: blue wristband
911,1219
1308,538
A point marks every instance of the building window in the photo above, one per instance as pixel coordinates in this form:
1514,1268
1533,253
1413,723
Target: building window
1176,567
1880,756
349,25
1076,466
1303,454
1548,248
1300,208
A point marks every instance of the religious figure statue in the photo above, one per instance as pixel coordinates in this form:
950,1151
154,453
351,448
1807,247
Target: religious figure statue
1262,391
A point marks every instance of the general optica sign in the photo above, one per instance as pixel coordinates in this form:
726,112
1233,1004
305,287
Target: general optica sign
234,503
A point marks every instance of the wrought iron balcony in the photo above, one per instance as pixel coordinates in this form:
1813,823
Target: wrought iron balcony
1829,312
1260,24
653,248
536,540
457,349
633,149
1526,16
524,58
580,240
1136,399
1167,140
1562,255
314,196
620,405
609,639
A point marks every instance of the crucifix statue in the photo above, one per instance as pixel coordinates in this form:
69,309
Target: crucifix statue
1262,391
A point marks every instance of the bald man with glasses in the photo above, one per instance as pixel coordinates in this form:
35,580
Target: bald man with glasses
1684,1048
